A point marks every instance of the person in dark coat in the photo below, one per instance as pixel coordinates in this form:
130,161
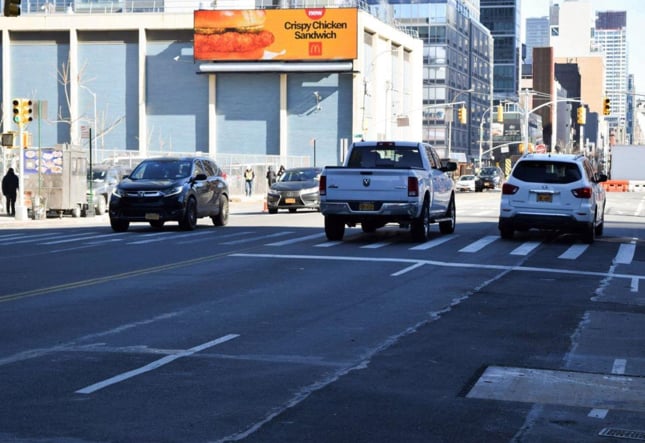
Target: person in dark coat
10,190
270,176
280,171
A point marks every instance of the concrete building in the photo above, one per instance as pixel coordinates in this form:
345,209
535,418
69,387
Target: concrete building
611,36
130,74
457,69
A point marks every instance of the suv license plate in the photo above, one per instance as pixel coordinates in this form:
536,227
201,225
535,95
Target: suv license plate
366,206
546,198
152,216
290,201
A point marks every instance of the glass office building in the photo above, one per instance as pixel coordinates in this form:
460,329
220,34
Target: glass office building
457,69
503,19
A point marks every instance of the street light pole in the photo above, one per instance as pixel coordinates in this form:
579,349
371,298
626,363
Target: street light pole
90,198
481,135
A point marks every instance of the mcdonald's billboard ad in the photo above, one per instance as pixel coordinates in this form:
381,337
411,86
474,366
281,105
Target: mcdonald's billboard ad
276,34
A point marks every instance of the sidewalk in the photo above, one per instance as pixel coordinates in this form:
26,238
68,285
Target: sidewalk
239,204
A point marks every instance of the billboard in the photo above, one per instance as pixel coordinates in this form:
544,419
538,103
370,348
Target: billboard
309,34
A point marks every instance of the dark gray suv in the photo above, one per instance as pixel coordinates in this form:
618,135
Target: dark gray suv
180,189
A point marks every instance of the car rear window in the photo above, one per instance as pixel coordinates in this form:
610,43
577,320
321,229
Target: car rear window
547,172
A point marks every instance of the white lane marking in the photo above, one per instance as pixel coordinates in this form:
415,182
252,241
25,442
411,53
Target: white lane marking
296,240
479,244
73,239
433,243
31,238
634,286
154,365
573,252
442,264
259,237
625,253
408,269
328,244
525,248
376,245
619,366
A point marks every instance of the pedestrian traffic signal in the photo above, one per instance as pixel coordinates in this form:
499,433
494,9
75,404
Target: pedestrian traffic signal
582,115
23,111
500,114
461,114
606,106
11,8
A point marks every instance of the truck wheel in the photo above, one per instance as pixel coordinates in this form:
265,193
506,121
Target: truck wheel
334,228
448,226
420,228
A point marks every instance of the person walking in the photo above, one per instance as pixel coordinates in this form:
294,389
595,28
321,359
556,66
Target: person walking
280,171
10,190
249,176
270,176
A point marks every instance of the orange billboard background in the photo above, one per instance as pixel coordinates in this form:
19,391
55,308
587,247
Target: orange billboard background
276,34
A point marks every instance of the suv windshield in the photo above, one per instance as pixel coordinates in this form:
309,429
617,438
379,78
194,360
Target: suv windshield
162,170
547,172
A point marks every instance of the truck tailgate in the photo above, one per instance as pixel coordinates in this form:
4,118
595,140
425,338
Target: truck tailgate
345,184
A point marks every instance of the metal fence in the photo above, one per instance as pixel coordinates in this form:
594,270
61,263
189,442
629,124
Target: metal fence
233,164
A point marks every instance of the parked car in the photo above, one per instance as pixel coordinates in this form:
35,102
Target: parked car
102,181
491,177
556,192
466,183
163,189
296,188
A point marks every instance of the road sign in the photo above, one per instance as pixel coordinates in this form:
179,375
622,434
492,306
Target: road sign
540,149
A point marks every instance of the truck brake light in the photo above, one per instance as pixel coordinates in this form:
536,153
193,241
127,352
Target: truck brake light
413,187
322,185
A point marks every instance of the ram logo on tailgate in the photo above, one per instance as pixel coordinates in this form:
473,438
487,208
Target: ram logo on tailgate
366,182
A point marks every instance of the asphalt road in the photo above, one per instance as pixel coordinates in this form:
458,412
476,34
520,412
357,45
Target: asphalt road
263,331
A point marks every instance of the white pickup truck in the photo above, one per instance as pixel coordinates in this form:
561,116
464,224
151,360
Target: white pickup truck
388,182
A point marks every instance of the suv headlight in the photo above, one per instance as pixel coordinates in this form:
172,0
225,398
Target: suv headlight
173,191
117,192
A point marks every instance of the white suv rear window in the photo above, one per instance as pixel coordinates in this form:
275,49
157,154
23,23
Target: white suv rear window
547,172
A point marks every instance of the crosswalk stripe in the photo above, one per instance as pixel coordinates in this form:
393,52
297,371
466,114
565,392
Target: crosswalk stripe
296,240
479,244
376,245
573,252
434,242
525,248
625,254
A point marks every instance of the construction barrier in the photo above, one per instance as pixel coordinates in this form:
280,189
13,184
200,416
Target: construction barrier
616,185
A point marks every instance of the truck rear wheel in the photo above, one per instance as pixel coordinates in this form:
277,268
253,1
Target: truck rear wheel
448,226
420,228
334,228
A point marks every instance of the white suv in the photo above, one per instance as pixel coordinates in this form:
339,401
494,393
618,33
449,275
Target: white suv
553,191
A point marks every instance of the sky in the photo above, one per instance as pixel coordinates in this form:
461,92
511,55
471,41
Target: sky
635,28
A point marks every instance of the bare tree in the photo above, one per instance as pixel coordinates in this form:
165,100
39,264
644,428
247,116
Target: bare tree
102,127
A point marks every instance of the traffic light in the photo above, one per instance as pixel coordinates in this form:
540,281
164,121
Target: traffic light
22,111
500,114
11,8
606,106
520,148
461,114
582,115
